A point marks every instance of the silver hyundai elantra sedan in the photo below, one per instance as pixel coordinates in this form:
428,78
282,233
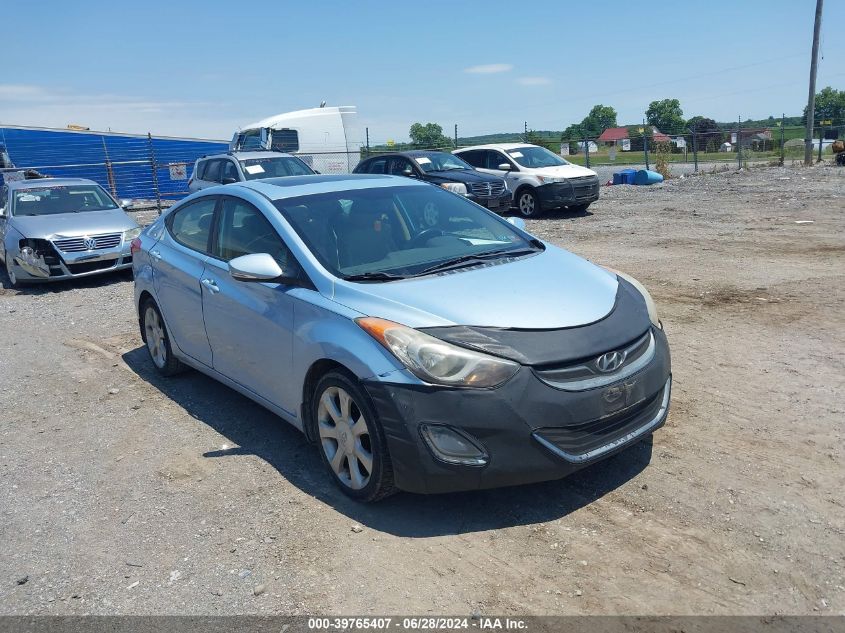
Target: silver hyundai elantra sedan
420,341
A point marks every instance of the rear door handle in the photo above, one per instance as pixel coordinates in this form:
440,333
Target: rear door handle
155,254
210,285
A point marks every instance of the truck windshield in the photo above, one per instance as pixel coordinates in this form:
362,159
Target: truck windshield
535,157
52,200
274,166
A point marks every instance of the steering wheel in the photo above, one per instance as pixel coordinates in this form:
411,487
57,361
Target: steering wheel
423,236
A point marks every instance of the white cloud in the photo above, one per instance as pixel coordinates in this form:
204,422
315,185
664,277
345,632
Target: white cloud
34,105
487,69
534,81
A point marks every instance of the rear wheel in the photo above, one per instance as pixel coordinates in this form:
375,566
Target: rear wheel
528,204
158,341
351,440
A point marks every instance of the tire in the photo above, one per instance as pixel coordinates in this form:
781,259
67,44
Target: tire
12,282
356,456
528,204
154,333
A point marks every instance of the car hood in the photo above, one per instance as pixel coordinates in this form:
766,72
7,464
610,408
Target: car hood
73,224
550,290
460,175
564,171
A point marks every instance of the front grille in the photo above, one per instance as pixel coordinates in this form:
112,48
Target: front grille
584,186
87,267
589,440
77,244
487,189
585,374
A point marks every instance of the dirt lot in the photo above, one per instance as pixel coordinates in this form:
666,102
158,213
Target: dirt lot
126,493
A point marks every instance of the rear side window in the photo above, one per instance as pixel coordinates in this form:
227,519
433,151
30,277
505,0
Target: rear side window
474,158
211,172
191,225
377,166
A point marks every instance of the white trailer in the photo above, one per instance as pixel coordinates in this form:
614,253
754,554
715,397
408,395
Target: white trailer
326,138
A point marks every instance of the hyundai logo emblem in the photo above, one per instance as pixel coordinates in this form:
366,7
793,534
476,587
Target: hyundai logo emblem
610,361
90,243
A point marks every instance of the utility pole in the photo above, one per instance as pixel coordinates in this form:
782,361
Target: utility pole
782,146
456,136
811,100
739,141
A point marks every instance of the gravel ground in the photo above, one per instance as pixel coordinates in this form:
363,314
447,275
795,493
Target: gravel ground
128,494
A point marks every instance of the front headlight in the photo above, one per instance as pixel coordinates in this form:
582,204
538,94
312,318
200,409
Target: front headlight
550,179
436,361
131,234
455,187
649,302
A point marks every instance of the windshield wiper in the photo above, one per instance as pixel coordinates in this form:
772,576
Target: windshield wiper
374,276
479,258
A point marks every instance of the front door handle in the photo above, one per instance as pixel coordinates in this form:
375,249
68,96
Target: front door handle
155,254
210,285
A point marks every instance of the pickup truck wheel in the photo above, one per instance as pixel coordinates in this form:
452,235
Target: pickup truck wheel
528,204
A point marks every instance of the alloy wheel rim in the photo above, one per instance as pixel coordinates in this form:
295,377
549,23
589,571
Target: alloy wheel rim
345,437
526,204
155,337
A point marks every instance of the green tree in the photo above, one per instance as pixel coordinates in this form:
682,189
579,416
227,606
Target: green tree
666,115
598,120
708,134
429,136
830,104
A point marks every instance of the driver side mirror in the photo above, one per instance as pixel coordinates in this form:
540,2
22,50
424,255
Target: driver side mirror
126,204
258,267
228,180
505,166
408,172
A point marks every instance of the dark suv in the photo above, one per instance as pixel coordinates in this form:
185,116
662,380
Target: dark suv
446,170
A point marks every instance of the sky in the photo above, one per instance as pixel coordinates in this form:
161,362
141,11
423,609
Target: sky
203,69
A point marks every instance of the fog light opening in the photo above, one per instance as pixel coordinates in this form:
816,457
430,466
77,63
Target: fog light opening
452,446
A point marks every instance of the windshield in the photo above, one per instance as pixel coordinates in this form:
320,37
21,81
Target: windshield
274,166
440,161
400,231
51,200
533,156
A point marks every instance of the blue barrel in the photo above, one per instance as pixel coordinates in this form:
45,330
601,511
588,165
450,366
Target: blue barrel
646,177
624,177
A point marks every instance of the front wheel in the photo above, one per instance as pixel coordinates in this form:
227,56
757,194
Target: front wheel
352,443
13,278
528,204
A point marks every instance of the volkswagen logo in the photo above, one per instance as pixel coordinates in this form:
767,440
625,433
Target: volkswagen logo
90,243
610,362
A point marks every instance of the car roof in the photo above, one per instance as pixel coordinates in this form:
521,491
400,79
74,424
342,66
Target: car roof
246,155
411,153
294,186
502,146
37,183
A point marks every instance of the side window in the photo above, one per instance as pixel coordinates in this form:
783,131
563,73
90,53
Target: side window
211,173
230,171
243,230
191,225
285,140
199,172
398,166
377,166
474,158
494,159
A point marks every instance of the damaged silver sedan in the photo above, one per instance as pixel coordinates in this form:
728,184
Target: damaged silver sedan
62,228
